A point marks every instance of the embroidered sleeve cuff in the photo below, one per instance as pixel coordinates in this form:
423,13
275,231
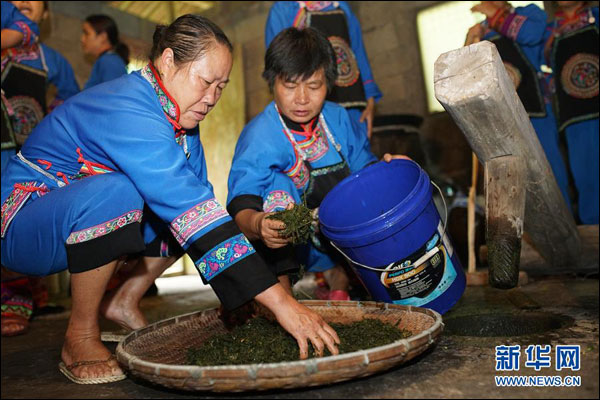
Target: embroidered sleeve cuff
198,220
243,202
277,200
29,35
229,263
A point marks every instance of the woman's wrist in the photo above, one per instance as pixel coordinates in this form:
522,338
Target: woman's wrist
273,297
249,222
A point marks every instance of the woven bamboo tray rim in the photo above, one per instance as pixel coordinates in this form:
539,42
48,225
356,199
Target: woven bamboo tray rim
281,375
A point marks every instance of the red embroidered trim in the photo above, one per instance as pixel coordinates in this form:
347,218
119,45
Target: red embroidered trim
30,189
498,18
576,15
309,130
63,177
48,164
159,81
90,164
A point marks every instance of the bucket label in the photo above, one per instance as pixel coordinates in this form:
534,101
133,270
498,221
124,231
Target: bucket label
424,275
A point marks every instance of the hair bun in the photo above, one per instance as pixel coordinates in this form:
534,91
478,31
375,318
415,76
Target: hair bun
158,33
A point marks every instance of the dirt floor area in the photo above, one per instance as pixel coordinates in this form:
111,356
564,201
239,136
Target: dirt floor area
554,307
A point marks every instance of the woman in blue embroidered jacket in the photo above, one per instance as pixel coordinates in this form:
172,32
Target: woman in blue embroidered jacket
518,35
297,149
17,29
571,51
109,171
20,295
43,58
355,88
100,40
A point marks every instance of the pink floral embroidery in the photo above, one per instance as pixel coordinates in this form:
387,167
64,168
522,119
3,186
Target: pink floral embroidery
196,219
277,200
299,173
105,228
315,147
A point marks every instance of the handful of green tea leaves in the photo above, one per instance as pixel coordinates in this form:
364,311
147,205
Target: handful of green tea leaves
297,222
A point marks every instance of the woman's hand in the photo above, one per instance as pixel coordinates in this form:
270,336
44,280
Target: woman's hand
315,220
269,231
387,157
368,114
486,7
475,34
255,225
302,323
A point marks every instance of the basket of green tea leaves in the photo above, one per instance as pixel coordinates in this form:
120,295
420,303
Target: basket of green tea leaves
201,352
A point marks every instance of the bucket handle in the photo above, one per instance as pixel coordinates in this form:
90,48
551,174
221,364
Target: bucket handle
389,267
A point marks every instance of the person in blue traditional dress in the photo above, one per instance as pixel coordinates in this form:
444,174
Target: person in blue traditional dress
355,88
27,70
100,40
119,169
571,52
17,29
295,151
518,35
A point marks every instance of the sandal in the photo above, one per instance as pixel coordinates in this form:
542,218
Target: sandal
66,370
114,336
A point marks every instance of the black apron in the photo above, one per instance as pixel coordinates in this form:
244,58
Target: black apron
523,75
8,137
320,182
348,90
575,66
24,89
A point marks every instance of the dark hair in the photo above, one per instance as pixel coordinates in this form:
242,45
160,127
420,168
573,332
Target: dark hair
103,23
300,53
189,36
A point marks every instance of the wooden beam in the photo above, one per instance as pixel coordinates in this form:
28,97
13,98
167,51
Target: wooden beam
474,88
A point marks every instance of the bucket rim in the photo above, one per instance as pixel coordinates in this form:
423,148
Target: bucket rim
423,179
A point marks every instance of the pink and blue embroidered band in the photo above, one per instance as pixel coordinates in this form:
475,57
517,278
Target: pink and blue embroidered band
105,228
224,255
197,218
277,200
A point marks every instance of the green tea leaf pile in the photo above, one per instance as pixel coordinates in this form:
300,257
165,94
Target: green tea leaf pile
297,223
263,341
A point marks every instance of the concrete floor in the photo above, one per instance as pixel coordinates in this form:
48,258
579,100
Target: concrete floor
562,306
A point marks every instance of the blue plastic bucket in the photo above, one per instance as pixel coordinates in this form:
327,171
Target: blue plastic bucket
384,221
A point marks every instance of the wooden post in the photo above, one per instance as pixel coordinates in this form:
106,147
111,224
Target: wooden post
505,211
474,88
471,215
